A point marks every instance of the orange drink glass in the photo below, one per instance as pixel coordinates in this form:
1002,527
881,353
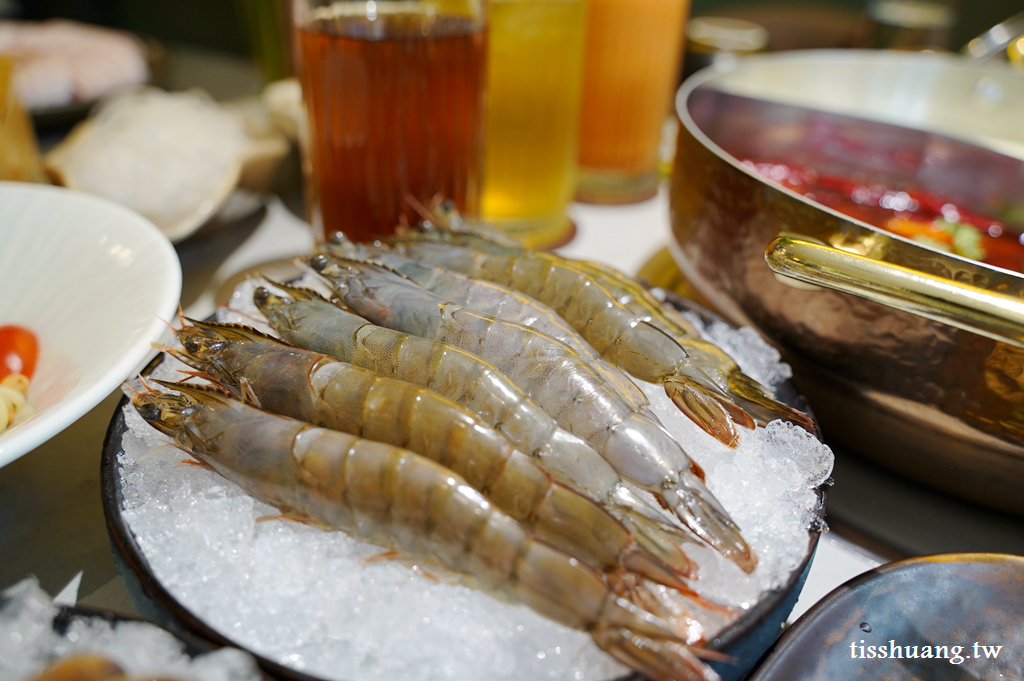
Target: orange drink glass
633,53
394,94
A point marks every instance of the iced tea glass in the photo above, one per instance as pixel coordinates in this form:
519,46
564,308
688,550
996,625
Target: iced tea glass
633,53
394,94
534,78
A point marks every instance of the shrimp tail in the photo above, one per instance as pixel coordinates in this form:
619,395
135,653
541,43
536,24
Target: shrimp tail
642,642
691,501
672,606
639,560
706,409
756,399
657,537
565,512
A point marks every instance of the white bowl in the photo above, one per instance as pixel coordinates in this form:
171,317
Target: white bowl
95,282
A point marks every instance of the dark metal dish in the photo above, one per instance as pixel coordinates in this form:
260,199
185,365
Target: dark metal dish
936,601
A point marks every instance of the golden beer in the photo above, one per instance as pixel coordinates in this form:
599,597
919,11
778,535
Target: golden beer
532,121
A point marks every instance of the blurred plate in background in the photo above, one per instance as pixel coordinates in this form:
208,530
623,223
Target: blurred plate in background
95,282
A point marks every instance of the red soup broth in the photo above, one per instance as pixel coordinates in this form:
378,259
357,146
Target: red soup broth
395,110
912,213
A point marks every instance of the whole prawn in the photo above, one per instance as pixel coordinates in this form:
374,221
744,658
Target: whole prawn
751,395
619,335
493,299
305,319
398,499
327,392
554,376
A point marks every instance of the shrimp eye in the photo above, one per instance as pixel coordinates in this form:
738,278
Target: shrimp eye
149,411
261,295
319,263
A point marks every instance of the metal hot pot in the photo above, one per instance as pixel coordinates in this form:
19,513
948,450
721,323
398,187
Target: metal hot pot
908,355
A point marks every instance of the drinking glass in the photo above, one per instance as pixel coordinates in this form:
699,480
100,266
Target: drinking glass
394,93
534,79
633,51
268,25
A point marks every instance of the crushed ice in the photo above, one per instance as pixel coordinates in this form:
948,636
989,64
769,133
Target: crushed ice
755,357
29,643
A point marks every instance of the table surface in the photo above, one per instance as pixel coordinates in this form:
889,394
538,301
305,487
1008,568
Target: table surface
51,519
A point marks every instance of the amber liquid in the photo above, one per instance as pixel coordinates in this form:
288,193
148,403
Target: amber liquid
395,109
533,109
633,53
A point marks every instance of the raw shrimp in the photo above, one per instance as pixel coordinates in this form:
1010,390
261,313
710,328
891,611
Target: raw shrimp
622,337
327,392
493,299
305,319
553,375
753,397
398,499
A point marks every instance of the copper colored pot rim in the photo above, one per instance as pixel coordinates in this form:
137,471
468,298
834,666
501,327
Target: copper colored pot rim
898,368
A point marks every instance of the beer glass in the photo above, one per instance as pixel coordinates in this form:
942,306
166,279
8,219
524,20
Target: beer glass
534,78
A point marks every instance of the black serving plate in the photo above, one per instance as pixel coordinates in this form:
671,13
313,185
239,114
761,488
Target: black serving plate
746,640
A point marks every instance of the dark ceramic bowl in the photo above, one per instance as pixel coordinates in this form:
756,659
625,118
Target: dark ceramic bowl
947,603
745,640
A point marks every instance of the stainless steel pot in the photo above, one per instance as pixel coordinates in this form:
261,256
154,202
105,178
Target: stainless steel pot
907,355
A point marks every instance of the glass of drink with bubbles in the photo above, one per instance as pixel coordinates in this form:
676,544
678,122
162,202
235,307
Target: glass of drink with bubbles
534,83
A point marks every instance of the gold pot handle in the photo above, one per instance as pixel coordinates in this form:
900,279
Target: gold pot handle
984,312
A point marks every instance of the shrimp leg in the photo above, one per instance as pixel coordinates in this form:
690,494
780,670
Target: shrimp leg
553,375
327,392
395,498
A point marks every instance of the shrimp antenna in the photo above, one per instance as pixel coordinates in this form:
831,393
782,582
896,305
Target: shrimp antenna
142,380
168,325
181,314
196,374
417,206
153,452
124,384
256,320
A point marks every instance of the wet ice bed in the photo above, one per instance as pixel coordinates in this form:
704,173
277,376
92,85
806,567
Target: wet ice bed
325,604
